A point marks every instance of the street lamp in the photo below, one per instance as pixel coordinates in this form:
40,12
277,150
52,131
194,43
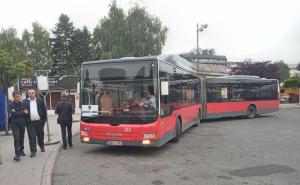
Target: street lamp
199,29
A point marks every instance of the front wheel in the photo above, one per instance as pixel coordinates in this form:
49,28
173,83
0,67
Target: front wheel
251,112
178,131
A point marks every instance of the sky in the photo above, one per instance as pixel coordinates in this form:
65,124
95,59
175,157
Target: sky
239,29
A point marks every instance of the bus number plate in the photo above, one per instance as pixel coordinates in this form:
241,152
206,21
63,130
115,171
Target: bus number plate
116,143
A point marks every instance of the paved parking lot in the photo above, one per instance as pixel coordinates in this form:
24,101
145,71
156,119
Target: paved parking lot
232,151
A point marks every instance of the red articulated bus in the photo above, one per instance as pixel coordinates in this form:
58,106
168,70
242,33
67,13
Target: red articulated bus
145,101
149,101
238,95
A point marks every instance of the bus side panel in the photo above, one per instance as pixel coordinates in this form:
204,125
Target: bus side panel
227,109
167,124
188,112
224,109
267,106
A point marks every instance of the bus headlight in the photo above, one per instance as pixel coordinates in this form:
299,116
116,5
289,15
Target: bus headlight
86,139
146,142
147,136
83,133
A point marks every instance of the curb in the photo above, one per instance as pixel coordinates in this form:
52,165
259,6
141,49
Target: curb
48,167
290,107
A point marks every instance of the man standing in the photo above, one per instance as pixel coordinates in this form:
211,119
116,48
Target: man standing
18,112
38,117
64,109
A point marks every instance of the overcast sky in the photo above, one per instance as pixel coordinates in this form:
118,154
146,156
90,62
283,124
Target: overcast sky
239,29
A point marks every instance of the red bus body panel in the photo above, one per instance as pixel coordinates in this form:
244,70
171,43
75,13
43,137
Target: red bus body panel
133,134
227,109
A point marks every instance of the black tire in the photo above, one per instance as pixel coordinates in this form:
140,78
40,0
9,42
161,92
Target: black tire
198,119
178,131
251,112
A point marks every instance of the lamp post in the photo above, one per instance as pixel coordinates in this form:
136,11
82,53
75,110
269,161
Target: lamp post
200,28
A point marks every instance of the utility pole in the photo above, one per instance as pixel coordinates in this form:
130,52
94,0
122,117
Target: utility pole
199,29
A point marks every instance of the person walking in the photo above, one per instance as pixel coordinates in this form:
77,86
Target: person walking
18,112
64,109
37,117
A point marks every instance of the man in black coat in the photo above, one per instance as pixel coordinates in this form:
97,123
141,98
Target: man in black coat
64,109
18,112
37,117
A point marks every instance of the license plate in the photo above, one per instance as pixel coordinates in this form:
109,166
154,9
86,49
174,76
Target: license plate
116,143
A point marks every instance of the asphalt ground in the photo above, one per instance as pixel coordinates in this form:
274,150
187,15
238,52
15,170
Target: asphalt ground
231,151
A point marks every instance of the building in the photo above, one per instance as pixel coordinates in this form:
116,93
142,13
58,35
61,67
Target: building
294,73
53,95
210,64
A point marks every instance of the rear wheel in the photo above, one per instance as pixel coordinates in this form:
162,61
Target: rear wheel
251,112
178,131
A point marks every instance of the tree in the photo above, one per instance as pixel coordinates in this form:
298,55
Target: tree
292,82
146,34
262,69
61,47
138,34
10,43
9,73
110,33
284,70
298,66
37,45
81,47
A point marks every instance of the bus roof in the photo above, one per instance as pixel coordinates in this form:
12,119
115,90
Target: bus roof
171,59
125,59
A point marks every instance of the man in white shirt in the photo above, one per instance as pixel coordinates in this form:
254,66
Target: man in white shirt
38,117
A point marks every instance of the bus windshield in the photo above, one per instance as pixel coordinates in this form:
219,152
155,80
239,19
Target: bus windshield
119,92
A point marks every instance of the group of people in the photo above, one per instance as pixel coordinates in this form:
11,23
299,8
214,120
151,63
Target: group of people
31,114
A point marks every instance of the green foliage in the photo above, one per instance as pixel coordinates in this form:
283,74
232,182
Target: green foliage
10,43
298,66
10,71
284,70
138,34
61,45
37,45
81,47
292,82
109,35
146,35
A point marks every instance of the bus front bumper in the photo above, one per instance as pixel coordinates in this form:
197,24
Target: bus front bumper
143,143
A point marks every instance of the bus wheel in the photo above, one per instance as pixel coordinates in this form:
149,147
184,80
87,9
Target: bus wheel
198,120
178,131
251,112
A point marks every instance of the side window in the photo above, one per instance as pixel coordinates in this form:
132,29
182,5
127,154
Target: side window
237,92
213,93
166,74
217,93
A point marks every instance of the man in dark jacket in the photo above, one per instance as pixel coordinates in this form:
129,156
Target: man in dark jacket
18,112
37,117
64,109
